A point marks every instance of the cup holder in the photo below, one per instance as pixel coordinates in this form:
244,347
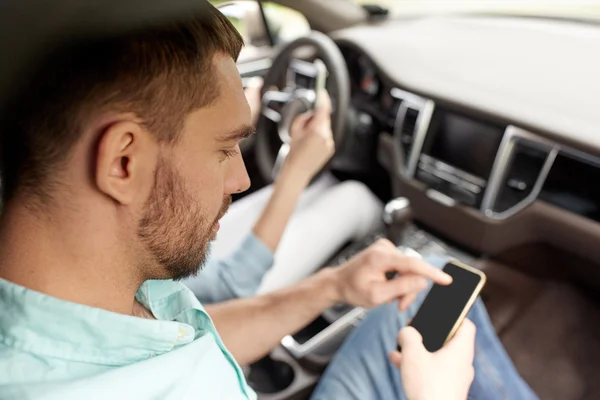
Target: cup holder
270,376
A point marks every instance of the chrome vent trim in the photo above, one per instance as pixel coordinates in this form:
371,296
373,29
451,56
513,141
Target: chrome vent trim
502,166
425,108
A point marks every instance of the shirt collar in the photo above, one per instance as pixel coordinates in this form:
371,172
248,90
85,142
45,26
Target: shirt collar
48,326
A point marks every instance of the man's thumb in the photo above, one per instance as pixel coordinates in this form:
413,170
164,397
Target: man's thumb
464,340
410,340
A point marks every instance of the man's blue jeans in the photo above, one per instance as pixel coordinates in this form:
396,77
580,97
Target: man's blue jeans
361,369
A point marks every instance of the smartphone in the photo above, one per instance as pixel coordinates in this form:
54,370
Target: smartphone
445,307
320,80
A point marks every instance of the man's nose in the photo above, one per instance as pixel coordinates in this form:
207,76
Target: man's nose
238,180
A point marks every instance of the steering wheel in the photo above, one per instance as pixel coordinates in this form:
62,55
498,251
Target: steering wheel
280,107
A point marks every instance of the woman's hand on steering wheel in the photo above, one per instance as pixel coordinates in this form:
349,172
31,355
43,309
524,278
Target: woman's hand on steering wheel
312,144
280,107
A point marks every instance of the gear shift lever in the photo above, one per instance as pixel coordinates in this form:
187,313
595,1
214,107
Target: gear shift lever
397,214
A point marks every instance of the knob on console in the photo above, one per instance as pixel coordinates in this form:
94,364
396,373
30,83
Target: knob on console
397,215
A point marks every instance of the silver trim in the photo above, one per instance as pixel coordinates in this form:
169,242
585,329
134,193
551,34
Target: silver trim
405,96
297,66
422,127
276,96
532,197
512,136
398,125
425,109
503,158
301,350
393,206
449,177
580,155
444,168
440,198
282,154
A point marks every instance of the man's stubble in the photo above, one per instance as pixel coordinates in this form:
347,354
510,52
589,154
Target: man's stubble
174,228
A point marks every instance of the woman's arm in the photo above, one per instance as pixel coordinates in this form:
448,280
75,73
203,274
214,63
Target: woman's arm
271,224
311,147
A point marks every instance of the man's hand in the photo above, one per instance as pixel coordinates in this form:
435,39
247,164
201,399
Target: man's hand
312,141
362,280
444,375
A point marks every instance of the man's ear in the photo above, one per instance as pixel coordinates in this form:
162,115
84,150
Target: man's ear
125,162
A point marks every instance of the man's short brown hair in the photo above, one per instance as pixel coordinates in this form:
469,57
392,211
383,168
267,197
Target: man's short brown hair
160,74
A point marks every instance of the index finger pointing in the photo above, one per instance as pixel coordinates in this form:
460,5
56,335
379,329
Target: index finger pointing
413,265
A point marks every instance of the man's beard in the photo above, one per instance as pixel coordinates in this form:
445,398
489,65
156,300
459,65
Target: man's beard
174,228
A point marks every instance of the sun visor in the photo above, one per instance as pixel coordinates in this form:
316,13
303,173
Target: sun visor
31,29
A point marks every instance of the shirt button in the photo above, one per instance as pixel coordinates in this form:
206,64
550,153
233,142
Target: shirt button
184,333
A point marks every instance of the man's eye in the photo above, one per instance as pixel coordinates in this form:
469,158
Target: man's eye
230,153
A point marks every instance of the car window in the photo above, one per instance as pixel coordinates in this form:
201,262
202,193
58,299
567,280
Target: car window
285,24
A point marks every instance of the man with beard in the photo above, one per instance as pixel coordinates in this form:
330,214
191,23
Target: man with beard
283,232
119,158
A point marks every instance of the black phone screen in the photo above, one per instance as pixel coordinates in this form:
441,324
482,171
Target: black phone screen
443,306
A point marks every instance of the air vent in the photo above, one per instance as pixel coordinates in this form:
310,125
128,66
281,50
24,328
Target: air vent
392,114
407,130
409,127
572,184
520,180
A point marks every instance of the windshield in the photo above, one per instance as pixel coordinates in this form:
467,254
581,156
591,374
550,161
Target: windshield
571,9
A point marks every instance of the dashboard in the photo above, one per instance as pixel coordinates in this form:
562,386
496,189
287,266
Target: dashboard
482,174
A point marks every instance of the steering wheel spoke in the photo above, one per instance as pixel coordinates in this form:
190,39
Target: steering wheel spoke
281,107
282,154
273,101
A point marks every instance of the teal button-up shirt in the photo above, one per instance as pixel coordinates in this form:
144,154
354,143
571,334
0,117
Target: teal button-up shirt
52,349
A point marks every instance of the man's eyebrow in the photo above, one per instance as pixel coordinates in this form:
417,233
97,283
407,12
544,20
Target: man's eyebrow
239,134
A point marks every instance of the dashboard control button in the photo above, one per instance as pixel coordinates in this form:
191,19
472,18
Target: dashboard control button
440,198
429,179
517,184
463,195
